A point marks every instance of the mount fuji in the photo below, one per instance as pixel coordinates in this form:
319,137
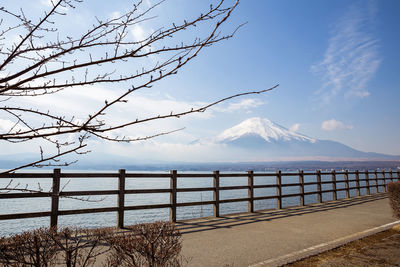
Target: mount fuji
266,140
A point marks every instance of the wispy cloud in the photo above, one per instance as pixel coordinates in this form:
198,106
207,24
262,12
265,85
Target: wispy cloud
245,105
295,127
352,57
331,125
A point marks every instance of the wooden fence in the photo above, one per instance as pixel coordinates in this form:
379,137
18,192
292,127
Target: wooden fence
374,179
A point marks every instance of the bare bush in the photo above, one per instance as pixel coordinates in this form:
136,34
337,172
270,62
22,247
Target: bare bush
394,197
149,244
80,247
32,248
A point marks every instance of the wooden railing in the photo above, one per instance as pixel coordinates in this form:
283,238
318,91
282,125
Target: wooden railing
375,179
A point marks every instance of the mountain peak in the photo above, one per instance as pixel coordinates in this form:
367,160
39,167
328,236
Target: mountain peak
264,128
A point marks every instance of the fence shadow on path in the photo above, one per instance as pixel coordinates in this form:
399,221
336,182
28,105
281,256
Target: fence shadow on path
229,221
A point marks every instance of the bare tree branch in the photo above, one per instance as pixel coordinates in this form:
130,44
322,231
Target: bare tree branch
42,61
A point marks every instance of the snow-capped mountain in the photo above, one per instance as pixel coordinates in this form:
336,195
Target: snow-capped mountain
264,128
260,138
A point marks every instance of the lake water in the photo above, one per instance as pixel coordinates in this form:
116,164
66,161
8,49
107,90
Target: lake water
10,206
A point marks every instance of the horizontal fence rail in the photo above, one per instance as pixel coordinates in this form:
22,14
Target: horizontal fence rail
376,180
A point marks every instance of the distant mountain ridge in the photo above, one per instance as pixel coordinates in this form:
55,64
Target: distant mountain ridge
270,140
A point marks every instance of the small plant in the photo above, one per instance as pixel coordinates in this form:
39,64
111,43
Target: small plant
80,246
150,244
394,197
33,248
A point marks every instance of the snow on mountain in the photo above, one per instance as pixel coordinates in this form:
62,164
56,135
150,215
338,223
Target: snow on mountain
264,128
260,138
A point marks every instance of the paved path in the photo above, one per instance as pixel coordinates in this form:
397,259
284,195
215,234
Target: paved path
245,239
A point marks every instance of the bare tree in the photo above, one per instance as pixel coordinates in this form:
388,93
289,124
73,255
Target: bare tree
43,62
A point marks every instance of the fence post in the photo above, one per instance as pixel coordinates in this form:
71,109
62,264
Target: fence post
358,183
216,193
55,194
334,193
173,185
391,175
367,182
251,191
384,181
301,182
376,182
279,189
121,198
319,187
346,179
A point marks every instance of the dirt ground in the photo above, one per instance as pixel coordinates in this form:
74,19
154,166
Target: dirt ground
381,249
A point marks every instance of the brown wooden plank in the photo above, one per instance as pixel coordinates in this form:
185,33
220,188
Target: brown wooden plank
310,183
147,191
234,187
147,207
197,203
376,181
301,187
265,186
25,175
88,175
267,174
367,182
121,198
195,189
250,191
89,193
15,216
319,186
234,200
346,179
279,190
55,198
290,184
292,195
288,174
195,175
147,175
231,175
216,194
384,181
265,197
24,195
173,195
83,211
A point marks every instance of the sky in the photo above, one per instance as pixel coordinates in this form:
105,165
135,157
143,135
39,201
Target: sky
336,63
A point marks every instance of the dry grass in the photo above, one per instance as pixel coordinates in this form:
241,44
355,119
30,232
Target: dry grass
381,249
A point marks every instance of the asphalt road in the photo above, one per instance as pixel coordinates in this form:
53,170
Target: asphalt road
246,239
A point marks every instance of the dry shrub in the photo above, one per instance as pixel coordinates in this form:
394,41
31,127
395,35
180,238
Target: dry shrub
79,246
150,244
46,247
394,197
31,248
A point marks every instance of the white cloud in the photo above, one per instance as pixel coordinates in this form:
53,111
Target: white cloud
331,125
148,3
51,3
295,127
115,14
351,59
138,33
245,105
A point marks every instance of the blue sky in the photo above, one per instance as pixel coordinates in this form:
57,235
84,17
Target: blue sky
336,62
